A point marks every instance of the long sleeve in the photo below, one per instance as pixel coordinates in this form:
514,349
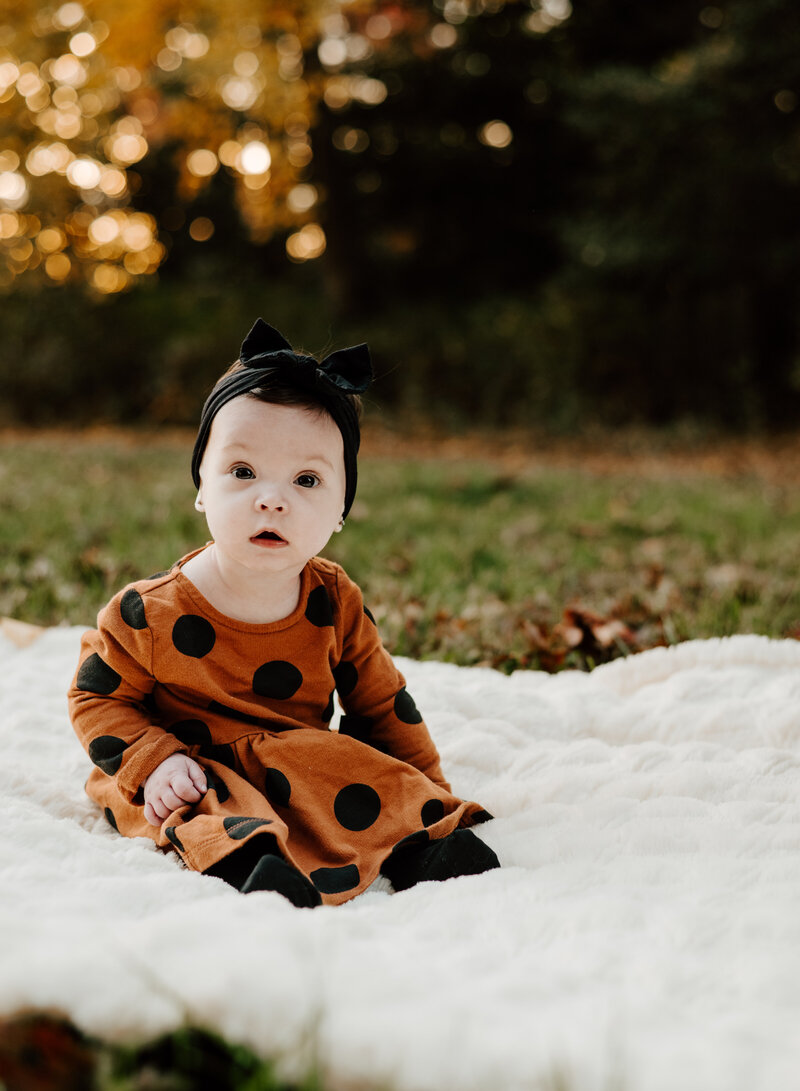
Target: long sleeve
109,694
372,691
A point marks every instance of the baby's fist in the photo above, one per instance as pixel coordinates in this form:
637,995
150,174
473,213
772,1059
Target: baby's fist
178,780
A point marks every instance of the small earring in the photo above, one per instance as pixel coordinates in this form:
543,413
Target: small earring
340,527
198,504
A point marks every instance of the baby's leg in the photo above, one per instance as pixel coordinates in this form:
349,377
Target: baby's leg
258,865
460,853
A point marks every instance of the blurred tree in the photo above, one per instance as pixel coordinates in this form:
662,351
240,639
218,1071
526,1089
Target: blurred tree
124,125
96,96
599,204
681,238
441,153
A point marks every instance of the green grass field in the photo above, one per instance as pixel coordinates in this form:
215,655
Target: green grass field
471,561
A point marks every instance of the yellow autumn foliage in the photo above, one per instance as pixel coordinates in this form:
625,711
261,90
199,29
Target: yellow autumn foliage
89,89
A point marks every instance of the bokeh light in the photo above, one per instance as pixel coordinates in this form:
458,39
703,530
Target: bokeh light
786,101
113,182
238,92
349,139
84,173
68,69
13,190
82,44
202,162
68,15
51,240
201,229
495,134
306,244
378,27
332,52
104,230
58,267
187,42
254,158
302,198
125,144
109,279
443,36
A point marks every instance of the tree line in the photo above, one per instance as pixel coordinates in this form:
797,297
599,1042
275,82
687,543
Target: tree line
537,213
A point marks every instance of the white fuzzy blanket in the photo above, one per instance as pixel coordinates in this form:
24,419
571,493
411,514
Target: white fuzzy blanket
643,935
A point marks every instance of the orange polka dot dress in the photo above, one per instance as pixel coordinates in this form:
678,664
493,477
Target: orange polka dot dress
165,673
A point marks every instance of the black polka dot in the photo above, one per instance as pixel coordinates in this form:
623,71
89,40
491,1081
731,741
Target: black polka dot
238,828
138,798
97,677
278,679
318,608
158,575
412,839
193,635
171,835
327,712
481,816
357,806
191,732
335,880
106,752
110,819
405,709
346,677
357,727
277,787
432,811
222,752
131,609
215,784
368,612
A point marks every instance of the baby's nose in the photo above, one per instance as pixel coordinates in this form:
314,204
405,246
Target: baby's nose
271,498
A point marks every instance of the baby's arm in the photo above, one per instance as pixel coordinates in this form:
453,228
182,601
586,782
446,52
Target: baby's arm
379,709
177,780
109,694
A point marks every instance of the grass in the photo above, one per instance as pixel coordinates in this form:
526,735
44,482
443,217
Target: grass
469,561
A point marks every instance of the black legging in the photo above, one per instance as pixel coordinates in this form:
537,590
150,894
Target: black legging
258,865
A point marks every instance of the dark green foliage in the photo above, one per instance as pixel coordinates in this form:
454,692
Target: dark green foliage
679,243
425,210
194,1060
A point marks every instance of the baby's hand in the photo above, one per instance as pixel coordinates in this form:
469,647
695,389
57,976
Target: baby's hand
176,781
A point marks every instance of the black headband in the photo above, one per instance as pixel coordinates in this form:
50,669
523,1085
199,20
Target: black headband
265,351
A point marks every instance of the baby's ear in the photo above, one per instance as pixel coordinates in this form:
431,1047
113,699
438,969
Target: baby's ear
198,504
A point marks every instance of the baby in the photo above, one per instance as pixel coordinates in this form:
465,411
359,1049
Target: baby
205,695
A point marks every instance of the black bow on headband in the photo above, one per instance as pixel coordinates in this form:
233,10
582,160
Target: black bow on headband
348,370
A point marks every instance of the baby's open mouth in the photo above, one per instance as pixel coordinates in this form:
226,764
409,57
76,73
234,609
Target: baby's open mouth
268,536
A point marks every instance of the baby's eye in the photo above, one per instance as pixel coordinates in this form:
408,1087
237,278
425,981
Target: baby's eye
242,473
307,481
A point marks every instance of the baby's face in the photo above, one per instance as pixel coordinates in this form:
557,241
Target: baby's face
272,484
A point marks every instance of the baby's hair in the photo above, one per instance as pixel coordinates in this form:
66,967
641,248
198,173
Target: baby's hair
276,391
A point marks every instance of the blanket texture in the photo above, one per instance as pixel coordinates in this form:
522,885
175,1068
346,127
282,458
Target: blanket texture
643,934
